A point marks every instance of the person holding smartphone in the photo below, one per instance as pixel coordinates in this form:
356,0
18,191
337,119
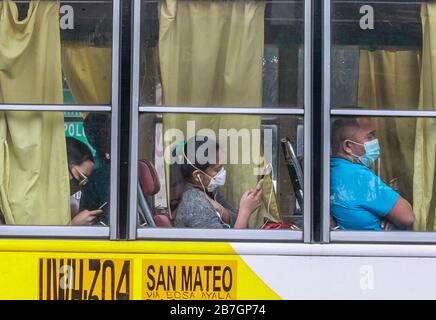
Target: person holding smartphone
202,205
97,190
80,167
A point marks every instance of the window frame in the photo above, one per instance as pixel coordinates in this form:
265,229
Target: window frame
81,232
328,236
209,234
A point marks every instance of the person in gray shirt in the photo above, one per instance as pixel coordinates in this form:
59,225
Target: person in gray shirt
201,205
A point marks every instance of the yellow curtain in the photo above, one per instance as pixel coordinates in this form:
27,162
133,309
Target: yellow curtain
34,182
424,186
390,80
88,72
211,55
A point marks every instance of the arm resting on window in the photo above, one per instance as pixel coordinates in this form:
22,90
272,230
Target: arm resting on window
401,214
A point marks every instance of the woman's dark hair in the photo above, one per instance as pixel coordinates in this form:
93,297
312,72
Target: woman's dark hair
203,162
77,152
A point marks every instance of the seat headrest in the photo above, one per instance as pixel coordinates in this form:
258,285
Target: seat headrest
148,178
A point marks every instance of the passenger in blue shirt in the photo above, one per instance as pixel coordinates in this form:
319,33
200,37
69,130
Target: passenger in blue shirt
360,200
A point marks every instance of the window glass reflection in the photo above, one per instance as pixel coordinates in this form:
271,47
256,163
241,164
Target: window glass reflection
222,53
377,53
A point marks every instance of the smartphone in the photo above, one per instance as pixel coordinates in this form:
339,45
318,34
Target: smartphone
102,206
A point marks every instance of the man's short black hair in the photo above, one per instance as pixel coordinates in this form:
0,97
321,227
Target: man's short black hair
342,128
197,142
77,152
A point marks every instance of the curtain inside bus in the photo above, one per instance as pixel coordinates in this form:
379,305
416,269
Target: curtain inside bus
211,55
34,181
424,190
390,79
87,71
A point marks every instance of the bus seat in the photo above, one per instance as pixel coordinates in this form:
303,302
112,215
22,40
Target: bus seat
149,185
148,178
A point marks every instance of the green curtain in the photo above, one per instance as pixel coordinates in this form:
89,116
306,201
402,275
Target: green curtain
34,181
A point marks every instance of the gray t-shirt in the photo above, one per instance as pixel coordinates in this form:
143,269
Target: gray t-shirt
196,211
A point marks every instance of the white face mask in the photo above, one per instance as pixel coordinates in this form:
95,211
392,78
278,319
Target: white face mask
218,181
215,182
372,152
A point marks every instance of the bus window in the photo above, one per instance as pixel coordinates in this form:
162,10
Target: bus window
232,71
373,173
375,54
55,115
211,54
382,161
68,45
220,171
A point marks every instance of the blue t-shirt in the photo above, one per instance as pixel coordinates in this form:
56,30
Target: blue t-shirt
359,198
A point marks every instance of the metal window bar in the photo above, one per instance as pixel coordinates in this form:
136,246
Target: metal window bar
146,214
72,1
134,123
383,113
405,237
222,110
115,120
220,235
307,187
83,232
382,2
61,108
325,232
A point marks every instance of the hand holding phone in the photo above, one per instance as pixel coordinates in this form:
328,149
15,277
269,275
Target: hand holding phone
102,206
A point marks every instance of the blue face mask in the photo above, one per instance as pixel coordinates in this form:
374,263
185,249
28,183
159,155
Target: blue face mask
372,152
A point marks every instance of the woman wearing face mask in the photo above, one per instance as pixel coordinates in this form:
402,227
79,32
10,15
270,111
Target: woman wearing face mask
80,166
201,205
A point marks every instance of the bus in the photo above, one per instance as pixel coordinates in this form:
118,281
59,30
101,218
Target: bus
107,106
